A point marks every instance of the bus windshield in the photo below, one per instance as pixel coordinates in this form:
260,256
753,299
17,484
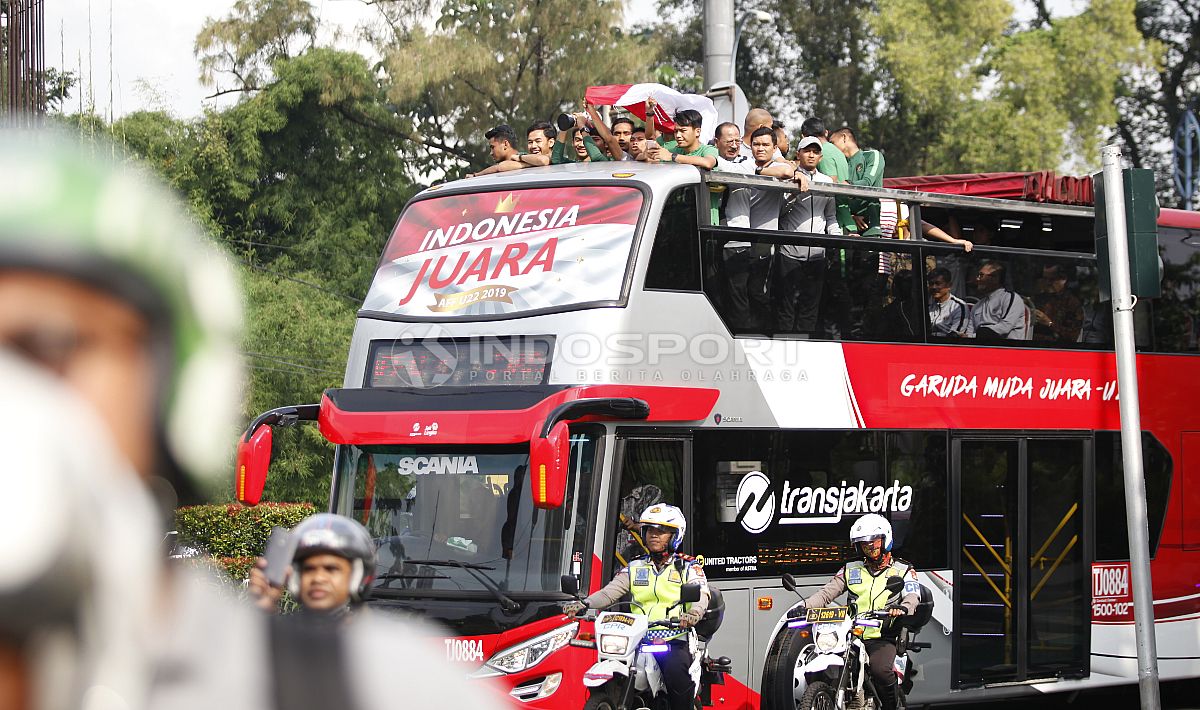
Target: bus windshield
507,252
456,518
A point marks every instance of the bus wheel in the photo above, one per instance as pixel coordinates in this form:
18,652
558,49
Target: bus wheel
818,696
779,683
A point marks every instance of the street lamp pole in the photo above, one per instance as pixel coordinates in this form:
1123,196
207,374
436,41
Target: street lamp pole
759,15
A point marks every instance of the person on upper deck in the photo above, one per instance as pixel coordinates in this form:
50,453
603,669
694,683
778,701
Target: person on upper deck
949,315
756,118
866,168
735,201
802,269
502,141
1058,313
999,314
833,164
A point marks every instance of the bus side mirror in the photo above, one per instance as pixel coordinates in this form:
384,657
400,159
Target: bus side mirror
569,584
548,457
253,460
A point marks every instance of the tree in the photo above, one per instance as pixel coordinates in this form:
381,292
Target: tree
254,35
1153,102
487,62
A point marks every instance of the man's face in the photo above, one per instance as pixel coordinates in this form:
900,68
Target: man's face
810,156
871,549
687,137
657,538
324,582
500,148
580,146
842,143
986,280
729,142
623,132
752,127
763,148
636,141
939,290
1052,281
98,345
538,143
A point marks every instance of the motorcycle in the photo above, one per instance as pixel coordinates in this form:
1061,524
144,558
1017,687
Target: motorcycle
818,660
626,673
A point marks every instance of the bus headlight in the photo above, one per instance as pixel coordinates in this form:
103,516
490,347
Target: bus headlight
827,641
616,645
529,653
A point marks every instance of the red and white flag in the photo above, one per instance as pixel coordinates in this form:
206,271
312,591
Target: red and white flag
632,97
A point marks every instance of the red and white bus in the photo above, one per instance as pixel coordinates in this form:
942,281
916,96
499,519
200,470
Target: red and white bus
543,351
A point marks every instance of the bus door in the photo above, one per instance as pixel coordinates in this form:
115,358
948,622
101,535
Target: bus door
650,470
1021,601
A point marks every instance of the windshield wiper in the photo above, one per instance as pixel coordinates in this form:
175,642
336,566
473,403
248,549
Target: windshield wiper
471,568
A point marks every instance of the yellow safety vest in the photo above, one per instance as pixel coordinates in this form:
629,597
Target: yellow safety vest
656,591
869,591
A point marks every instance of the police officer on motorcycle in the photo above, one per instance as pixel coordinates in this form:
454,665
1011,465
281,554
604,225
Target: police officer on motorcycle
866,582
655,581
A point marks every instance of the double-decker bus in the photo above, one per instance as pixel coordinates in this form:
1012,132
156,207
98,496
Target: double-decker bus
546,351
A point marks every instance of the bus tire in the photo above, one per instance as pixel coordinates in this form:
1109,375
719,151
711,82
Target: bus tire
817,696
778,690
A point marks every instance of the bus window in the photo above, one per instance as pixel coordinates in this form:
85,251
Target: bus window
918,459
651,472
675,256
785,501
1110,493
1177,310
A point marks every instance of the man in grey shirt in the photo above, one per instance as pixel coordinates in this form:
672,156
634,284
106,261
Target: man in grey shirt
999,314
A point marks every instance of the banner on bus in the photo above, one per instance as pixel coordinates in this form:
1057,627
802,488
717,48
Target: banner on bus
506,252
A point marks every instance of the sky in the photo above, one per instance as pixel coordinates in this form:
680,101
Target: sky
153,66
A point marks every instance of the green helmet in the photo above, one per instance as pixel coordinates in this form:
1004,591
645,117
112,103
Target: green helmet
111,227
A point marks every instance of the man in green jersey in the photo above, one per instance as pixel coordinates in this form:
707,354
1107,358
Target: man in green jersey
866,168
685,149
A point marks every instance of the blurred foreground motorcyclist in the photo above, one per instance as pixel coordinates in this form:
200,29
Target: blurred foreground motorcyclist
106,285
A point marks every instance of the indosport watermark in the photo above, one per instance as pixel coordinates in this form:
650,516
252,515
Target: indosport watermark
758,498
430,356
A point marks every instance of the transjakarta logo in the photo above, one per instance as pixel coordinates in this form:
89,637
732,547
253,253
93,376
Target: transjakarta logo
439,465
807,505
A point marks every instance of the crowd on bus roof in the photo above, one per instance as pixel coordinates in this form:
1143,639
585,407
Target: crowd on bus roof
796,284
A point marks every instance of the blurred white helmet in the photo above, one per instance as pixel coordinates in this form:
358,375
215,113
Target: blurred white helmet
81,553
871,526
662,515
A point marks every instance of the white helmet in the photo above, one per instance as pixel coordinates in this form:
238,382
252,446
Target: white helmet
871,526
662,515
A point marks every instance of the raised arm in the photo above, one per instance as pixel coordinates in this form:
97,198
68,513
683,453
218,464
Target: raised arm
932,230
614,145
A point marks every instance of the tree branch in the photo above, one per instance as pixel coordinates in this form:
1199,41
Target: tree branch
366,122
1043,13
233,91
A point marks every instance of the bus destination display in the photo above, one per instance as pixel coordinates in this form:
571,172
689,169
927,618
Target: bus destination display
475,362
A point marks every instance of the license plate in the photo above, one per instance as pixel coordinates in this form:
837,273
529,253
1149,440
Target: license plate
825,614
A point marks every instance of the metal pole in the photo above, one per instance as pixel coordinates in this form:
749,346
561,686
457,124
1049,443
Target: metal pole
718,39
737,39
1131,427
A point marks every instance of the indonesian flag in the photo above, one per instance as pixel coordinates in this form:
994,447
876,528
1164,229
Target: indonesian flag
632,97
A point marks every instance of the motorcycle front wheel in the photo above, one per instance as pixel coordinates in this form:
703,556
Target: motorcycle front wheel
818,695
600,700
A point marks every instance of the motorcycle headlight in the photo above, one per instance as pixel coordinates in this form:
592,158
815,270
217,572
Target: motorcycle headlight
532,652
616,645
827,641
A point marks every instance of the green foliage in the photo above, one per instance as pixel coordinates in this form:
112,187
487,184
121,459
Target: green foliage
257,33
236,531
487,62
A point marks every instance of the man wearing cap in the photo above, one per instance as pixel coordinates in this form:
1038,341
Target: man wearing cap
801,268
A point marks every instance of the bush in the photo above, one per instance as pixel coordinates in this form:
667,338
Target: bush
235,534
